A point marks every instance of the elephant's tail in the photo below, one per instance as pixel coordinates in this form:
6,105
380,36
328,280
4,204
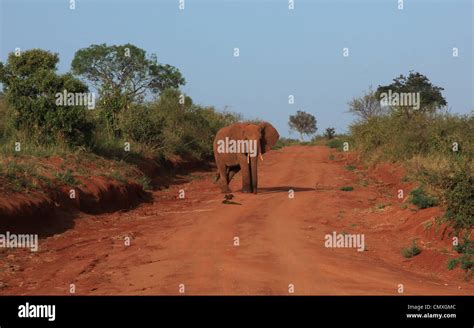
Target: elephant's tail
218,176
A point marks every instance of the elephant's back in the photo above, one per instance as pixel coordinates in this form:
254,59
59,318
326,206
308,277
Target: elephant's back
231,131
222,133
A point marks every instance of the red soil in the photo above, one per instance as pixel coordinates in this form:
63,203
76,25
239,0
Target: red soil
190,241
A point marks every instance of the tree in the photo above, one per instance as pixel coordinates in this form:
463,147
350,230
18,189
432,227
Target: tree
366,106
304,123
31,85
329,133
123,74
431,98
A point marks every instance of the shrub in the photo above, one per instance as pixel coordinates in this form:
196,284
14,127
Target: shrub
285,142
66,177
350,167
347,188
335,143
169,127
146,183
465,260
460,201
421,200
330,133
411,251
7,121
142,124
31,84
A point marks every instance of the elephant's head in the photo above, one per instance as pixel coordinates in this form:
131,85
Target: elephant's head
265,136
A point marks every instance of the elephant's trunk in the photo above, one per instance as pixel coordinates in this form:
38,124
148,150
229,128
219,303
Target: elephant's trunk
254,173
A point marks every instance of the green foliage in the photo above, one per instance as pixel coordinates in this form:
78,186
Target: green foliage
330,133
460,201
218,120
395,136
123,74
66,177
31,83
411,251
304,123
431,98
350,167
425,139
285,142
142,124
347,188
335,143
7,121
169,127
22,177
187,129
466,246
426,143
465,260
452,263
419,198
366,106
145,182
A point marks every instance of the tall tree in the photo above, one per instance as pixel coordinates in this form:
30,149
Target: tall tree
330,133
366,106
304,123
123,74
431,98
31,85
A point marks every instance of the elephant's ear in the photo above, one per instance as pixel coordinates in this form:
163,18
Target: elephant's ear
269,136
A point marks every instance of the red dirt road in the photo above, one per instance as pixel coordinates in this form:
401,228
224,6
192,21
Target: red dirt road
190,241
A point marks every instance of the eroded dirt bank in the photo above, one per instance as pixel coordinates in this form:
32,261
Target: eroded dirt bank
191,242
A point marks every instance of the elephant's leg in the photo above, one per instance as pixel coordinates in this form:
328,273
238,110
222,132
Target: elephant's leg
246,181
254,174
223,178
233,170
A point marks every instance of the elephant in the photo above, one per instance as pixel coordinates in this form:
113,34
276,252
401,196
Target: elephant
230,160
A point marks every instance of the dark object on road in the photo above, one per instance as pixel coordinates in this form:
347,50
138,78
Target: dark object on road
227,200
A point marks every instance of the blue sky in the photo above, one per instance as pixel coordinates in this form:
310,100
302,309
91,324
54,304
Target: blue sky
282,52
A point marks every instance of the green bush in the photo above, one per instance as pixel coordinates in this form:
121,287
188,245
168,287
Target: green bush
329,133
411,251
460,201
66,177
426,141
31,83
397,137
335,143
419,198
169,128
347,188
185,131
285,142
142,124
7,121
465,260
